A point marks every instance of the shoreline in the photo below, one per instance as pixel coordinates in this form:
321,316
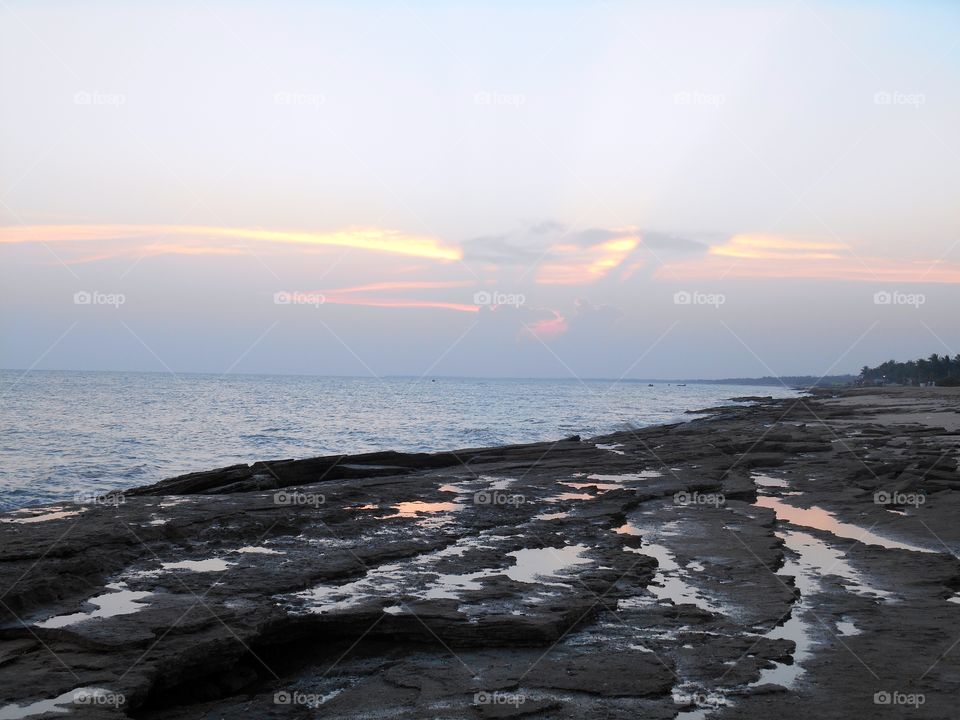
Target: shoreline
721,566
113,451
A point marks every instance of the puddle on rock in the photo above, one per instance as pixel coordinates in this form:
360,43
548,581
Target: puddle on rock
257,550
768,481
209,565
551,516
669,584
601,486
846,628
119,602
407,578
570,496
416,507
612,447
36,515
796,628
81,697
534,564
819,519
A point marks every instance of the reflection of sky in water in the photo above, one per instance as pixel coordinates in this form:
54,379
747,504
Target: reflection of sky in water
530,565
416,507
120,602
34,515
598,485
769,481
796,628
670,582
83,696
820,519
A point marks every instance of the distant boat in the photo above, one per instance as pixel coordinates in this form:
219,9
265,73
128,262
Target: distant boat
681,384
649,384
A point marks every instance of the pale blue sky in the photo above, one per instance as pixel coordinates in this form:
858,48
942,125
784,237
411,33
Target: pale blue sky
792,159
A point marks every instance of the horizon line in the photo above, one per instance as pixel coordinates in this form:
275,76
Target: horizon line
568,378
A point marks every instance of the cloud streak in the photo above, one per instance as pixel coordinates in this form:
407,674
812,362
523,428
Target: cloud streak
361,238
767,256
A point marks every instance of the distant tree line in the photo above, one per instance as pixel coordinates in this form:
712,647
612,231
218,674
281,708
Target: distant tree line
794,381
939,369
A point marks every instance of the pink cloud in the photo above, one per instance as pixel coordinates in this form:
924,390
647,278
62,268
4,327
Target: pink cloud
549,327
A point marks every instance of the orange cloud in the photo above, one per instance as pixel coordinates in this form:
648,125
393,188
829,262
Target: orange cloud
762,256
372,239
774,247
358,295
578,264
398,303
405,285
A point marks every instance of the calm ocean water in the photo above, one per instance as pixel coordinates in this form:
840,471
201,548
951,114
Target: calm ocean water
67,432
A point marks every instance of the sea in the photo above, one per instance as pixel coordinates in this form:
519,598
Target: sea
66,434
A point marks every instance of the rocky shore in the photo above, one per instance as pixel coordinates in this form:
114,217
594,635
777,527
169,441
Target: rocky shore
769,559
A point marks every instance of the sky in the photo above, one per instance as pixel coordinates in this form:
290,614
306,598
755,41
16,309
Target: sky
582,190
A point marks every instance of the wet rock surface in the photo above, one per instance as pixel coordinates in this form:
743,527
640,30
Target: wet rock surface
775,559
